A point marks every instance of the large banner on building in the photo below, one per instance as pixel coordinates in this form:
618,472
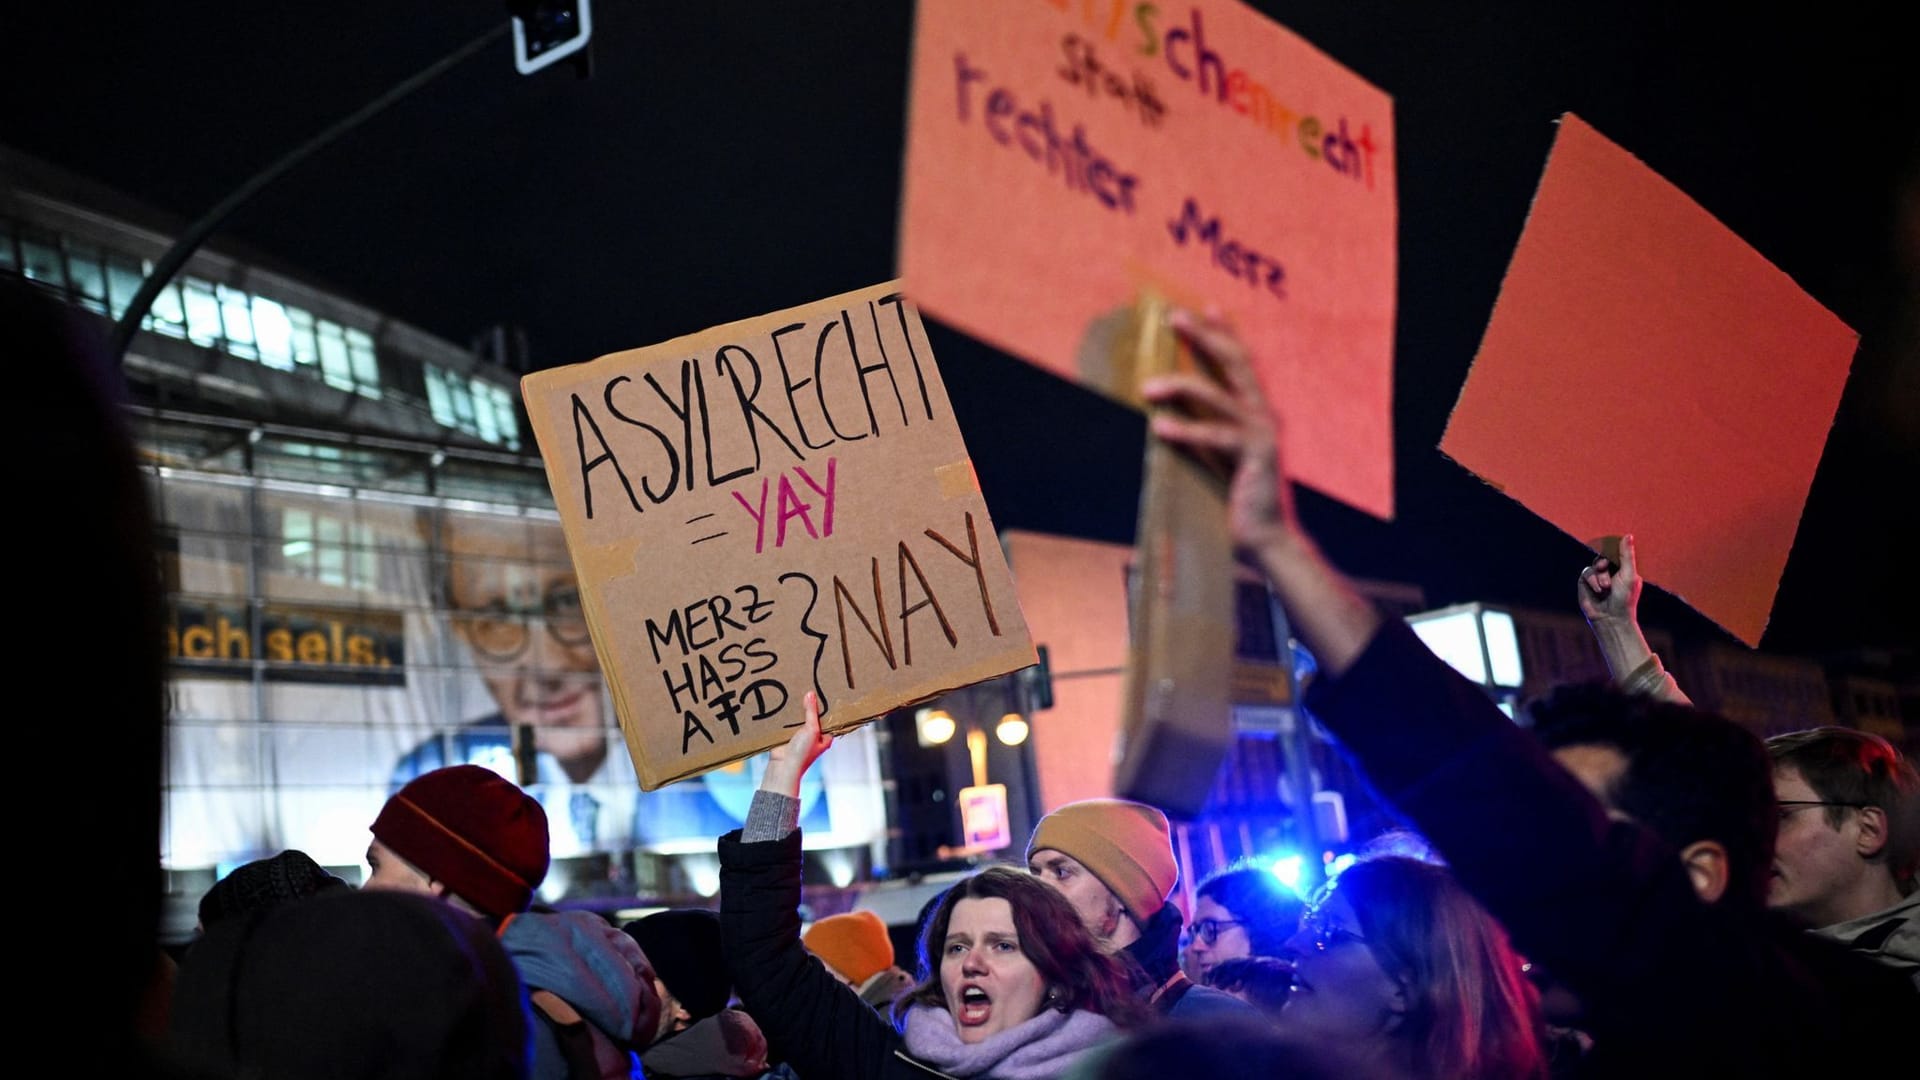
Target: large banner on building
1064,154
328,649
779,505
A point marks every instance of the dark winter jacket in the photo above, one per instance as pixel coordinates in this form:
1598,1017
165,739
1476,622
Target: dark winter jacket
1671,985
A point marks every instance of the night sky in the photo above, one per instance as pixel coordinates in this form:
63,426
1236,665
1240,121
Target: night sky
728,159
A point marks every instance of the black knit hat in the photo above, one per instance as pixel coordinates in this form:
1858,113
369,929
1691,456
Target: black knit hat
683,944
265,883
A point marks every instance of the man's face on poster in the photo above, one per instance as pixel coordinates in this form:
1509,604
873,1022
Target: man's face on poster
516,603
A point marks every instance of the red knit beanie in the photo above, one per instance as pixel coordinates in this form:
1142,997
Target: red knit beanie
472,829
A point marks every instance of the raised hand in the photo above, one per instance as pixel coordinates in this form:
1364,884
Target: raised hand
1610,593
1228,420
790,762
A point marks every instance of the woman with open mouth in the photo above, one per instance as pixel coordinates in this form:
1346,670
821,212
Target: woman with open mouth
1018,989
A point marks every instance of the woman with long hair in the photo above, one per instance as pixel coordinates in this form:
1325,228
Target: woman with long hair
1399,973
1012,987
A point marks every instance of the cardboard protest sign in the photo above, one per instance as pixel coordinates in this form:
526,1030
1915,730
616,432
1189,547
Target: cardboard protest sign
773,506
1063,154
1646,371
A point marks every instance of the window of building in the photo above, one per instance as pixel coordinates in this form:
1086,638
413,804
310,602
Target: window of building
328,549
505,418
335,368
220,316
124,276
462,405
439,401
473,405
306,351
168,315
366,367
236,316
40,258
87,276
483,413
273,334
203,312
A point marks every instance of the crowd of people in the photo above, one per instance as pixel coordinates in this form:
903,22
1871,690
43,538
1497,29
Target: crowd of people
1626,885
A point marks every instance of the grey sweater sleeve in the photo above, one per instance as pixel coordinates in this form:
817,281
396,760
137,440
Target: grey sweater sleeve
771,816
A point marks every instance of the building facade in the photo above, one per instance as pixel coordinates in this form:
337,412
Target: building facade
366,578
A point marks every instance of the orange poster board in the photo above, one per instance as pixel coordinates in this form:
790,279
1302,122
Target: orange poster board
1646,371
776,505
1063,154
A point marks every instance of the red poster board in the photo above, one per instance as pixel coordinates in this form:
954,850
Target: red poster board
1062,154
1646,371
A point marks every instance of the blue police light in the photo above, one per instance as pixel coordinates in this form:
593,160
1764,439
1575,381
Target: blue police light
1289,869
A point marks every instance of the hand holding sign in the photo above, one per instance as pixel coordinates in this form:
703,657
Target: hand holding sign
1228,416
788,763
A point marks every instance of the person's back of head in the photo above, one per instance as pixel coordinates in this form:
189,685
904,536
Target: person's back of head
470,834
1698,781
683,946
265,883
363,984
1854,773
1470,1010
853,945
82,478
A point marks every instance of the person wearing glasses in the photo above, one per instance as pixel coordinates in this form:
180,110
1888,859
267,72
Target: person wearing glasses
1397,972
1674,981
514,602
1239,912
1849,801
1845,858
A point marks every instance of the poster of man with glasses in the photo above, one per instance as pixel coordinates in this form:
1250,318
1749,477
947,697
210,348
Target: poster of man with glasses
327,650
513,603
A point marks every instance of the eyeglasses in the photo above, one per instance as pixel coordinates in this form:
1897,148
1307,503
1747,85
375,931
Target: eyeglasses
1209,930
1789,807
1324,934
499,632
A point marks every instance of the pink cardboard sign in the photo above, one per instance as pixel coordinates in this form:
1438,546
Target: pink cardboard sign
1063,154
1646,371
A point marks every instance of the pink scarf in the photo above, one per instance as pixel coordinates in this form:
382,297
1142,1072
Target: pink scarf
1039,1049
